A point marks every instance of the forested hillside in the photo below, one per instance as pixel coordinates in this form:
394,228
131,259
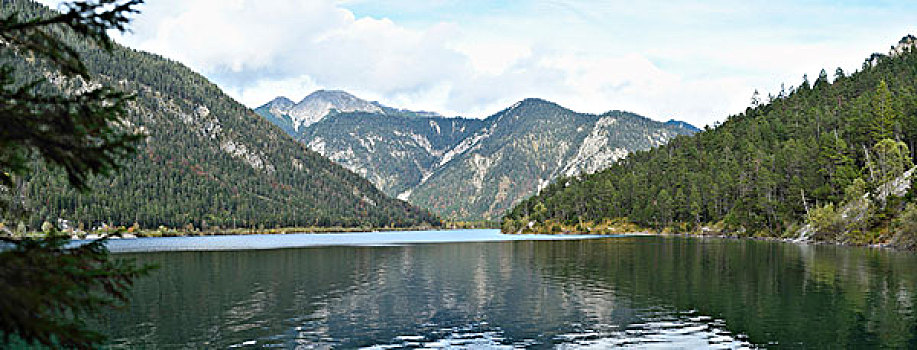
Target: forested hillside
207,160
821,154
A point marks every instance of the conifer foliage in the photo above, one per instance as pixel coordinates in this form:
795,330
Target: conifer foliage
765,171
47,286
81,132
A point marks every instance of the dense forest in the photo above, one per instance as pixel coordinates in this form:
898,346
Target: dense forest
817,157
207,160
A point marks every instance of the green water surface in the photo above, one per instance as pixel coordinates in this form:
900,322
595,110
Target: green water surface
594,293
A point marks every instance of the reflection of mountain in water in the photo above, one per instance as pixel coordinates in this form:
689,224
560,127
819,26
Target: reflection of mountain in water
592,293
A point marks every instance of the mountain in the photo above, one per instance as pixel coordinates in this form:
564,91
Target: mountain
396,153
521,149
472,168
295,117
828,156
208,160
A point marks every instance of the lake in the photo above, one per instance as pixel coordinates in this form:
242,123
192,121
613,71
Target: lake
480,289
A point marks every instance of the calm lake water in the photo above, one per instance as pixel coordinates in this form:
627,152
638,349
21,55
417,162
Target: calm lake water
635,292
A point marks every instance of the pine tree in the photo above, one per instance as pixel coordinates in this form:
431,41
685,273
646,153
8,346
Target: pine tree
48,287
884,114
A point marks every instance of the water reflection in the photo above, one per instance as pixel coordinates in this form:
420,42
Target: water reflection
621,292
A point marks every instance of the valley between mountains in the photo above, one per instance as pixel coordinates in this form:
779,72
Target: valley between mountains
332,159
464,168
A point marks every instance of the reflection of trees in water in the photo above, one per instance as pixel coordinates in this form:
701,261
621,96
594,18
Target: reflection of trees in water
820,295
224,297
875,285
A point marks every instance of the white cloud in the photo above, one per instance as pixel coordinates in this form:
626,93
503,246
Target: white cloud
681,60
254,51
267,89
490,56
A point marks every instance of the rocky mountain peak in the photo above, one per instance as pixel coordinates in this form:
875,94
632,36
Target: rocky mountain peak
296,117
318,104
281,101
280,105
908,42
330,95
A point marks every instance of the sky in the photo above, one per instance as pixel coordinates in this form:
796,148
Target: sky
697,61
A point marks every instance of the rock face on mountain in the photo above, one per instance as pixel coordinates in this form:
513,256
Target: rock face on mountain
395,153
471,168
521,149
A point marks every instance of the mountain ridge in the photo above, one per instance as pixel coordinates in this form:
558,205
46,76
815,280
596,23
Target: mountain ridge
524,147
403,152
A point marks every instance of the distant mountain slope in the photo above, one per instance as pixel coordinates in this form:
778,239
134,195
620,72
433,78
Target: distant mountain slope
526,146
395,153
471,168
208,160
804,157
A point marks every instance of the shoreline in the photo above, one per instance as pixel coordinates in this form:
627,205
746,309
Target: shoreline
650,233
296,241
130,234
122,232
